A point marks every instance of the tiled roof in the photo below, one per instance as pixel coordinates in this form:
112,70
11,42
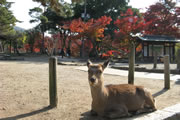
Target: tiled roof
159,38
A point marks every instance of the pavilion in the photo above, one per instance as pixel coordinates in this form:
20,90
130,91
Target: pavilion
163,45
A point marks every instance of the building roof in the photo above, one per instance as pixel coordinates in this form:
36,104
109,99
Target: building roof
158,38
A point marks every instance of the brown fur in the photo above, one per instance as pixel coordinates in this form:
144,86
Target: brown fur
114,101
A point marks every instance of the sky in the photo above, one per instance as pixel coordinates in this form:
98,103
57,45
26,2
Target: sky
20,8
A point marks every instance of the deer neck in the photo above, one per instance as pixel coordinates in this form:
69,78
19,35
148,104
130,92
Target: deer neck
99,92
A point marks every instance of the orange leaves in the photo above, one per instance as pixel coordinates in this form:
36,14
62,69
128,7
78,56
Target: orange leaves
79,26
91,28
76,26
100,32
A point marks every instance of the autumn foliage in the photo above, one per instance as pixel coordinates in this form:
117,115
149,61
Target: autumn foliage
91,28
129,24
164,19
159,19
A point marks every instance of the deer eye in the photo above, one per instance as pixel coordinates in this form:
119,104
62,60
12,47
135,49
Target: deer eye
90,72
99,72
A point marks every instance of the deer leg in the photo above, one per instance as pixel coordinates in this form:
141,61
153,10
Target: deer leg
146,107
117,112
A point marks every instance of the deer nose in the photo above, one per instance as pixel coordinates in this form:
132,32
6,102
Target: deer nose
92,80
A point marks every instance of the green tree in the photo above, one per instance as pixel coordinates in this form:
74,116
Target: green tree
38,16
55,19
31,34
48,18
56,5
7,19
97,8
7,23
18,40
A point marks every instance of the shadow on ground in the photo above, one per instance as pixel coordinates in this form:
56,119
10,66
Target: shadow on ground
28,59
160,92
27,114
177,82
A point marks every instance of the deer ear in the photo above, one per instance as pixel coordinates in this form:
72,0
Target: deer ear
89,63
105,64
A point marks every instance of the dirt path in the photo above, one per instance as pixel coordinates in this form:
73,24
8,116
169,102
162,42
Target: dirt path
24,91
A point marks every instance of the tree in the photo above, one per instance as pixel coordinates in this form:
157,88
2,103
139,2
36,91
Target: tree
59,24
129,24
93,30
19,39
56,5
7,19
49,19
164,18
37,15
97,8
55,19
32,35
7,23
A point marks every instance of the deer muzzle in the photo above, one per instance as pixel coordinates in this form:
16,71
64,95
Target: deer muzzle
92,80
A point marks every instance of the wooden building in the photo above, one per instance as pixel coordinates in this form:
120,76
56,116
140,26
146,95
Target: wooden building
163,45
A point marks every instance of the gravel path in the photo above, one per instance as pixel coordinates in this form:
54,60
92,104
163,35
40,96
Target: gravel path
24,91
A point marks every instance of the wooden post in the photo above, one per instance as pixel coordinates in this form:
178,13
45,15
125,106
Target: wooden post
166,72
131,64
53,82
178,59
155,60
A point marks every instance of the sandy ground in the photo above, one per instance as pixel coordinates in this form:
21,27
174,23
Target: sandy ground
24,91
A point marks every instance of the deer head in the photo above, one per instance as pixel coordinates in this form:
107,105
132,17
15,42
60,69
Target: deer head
95,73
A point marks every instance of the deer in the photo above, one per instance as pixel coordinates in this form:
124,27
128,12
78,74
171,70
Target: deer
116,101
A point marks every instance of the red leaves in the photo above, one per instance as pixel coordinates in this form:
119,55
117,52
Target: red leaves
129,24
104,20
129,12
92,28
79,26
163,19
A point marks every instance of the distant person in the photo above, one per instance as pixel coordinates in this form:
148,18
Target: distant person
54,51
68,52
46,50
59,52
62,53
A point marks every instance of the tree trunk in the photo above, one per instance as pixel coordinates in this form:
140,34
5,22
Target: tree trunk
155,60
82,48
131,63
10,46
93,52
166,72
42,46
14,44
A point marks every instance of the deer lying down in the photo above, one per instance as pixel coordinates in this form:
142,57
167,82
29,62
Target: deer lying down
115,101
